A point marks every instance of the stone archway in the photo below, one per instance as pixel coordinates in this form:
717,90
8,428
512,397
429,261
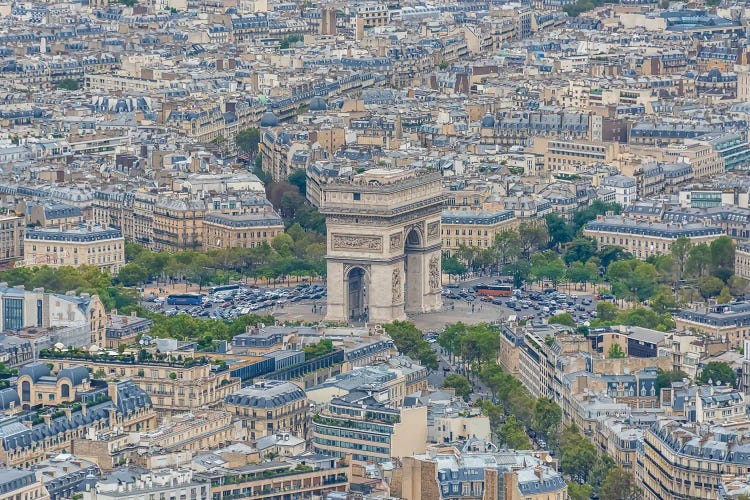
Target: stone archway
413,270
356,287
386,223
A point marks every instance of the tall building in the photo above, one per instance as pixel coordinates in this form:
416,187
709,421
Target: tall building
369,431
479,471
91,245
270,406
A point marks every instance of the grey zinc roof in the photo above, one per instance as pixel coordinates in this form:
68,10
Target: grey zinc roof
267,394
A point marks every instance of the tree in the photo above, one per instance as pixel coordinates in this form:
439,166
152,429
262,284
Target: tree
578,455
532,237
717,371
580,273
579,491
724,297
298,178
450,338
580,250
547,417
680,249
513,435
68,84
665,379
409,341
606,311
547,265
619,485
562,319
722,257
132,274
699,260
609,254
632,279
452,266
737,285
247,141
558,230
663,300
615,352
520,270
459,384
710,286
506,247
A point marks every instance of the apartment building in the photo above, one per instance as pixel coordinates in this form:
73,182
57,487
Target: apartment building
474,228
478,471
269,406
304,476
689,461
90,245
702,156
123,405
369,431
618,440
643,240
177,224
173,386
129,484
728,321
22,484
240,231
193,431
12,230
573,156
742,261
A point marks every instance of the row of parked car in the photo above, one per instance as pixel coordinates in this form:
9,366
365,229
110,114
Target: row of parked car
229,304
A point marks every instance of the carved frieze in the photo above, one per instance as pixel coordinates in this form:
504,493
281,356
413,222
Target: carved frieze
433,230
396,242
434,273
397,287
357,242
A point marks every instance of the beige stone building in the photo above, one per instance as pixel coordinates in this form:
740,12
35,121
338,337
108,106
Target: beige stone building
174,387
688,461
192,431
573,156
383,229
12,230
704,159
645,239
90,245
742,261
474,229
270,406
240,231
22,485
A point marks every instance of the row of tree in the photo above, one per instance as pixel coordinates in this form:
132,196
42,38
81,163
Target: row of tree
81,279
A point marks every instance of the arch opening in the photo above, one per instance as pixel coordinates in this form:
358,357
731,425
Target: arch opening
356,294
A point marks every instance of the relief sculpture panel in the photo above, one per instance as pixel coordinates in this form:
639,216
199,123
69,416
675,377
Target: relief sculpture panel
356,242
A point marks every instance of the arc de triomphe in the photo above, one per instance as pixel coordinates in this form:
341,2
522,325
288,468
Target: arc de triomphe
383,243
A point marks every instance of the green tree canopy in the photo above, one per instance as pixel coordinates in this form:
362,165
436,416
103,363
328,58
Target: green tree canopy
513,435
562,319
459,384
717,371
615,352
619,485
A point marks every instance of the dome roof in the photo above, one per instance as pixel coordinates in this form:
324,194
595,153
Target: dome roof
488,121
317,103
269,120
76,374
35,371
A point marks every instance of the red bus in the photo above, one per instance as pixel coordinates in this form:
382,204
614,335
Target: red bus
494,290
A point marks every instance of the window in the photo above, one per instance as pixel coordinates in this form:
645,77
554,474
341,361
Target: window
357,196
39,312
12,314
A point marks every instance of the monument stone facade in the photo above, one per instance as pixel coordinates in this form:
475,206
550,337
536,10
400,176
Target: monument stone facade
383,244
